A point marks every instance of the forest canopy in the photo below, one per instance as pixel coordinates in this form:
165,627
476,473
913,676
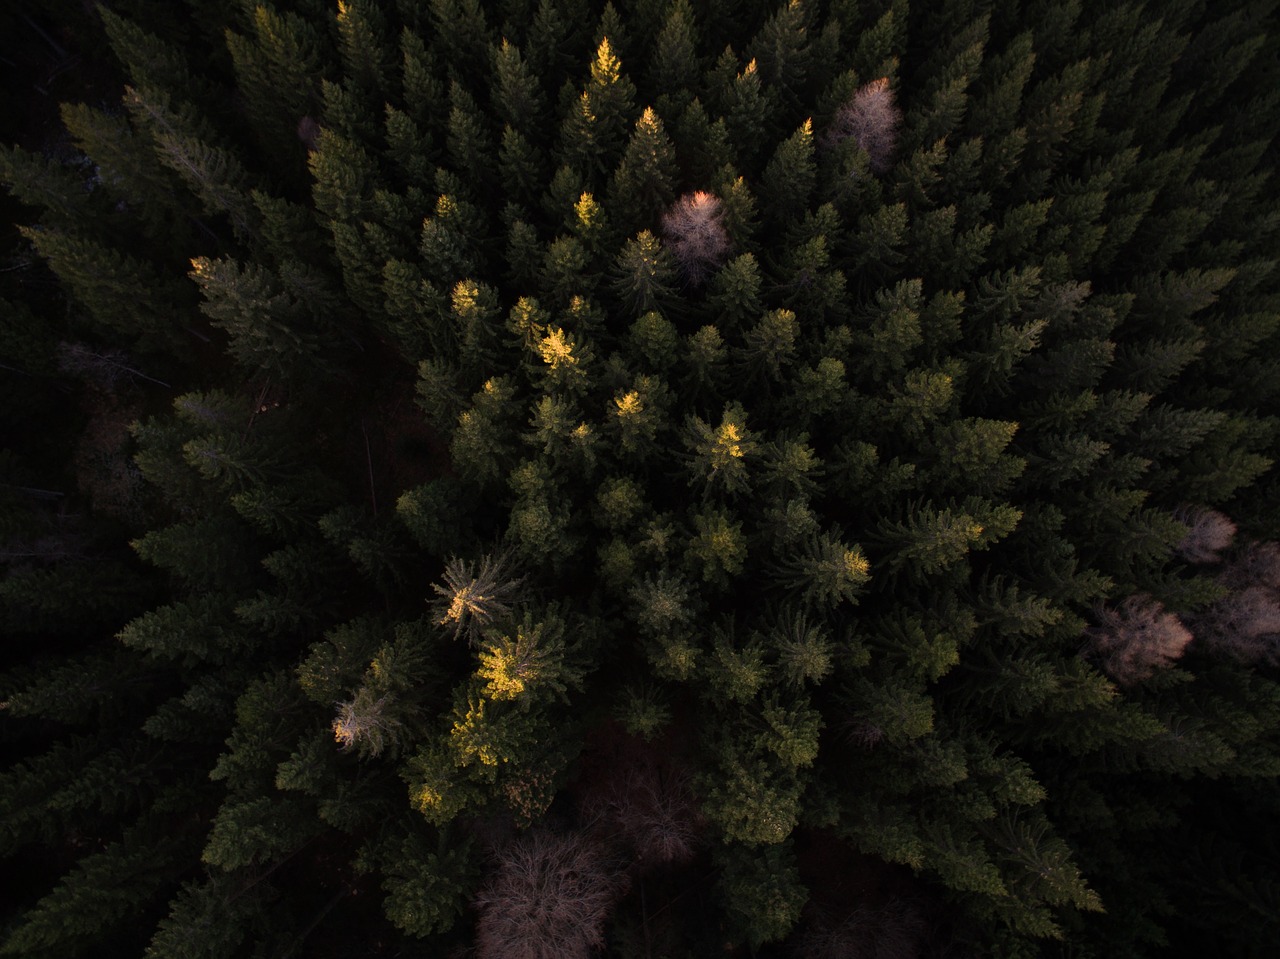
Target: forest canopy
660,478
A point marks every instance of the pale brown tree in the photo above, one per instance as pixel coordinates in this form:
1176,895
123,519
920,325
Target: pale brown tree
1258,565
1245,625
871,118
693,230
1208,534
1137,638
548,898
104,368
651,807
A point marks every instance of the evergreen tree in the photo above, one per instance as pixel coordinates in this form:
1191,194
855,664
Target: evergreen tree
767,478
642,184
594,132
277,63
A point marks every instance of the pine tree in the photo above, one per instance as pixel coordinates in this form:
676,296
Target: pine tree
517,94
277,62
123,293
463,35
128,166
187,145
720,454
824,571
212,918
105,891
822,267
743,105
425,886
594,133
644,274
764,891
271,331
643,182
791,174
783,53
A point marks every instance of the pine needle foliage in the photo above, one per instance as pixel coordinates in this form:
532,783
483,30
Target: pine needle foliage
474,596
844,435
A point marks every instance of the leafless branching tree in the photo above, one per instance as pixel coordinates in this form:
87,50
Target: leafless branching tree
1208,534
548,898
309,132
652,809
1136,638
872,118
1245,625
55,548
1258,565
694,232
105,368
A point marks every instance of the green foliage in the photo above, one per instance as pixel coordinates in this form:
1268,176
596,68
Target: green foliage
595,128
128,296
212,918
823,571
277,63
720,454
105,890
825,424
790,176
762,890
425,887
642,184
272,331
256,831
752,800
644,274
737,673
212,172
526,662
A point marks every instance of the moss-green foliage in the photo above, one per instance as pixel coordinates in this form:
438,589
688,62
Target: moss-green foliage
718,437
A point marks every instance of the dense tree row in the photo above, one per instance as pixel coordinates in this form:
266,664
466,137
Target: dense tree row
659,476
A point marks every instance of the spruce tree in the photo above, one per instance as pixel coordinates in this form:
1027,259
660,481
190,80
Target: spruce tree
644,477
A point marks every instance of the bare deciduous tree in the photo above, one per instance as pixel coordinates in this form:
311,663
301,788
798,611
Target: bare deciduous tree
1245,625
309,132
1208,534
55,548
1259,565
693,228
863,733
872,118
548,898
104,368
1137,638
651,807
